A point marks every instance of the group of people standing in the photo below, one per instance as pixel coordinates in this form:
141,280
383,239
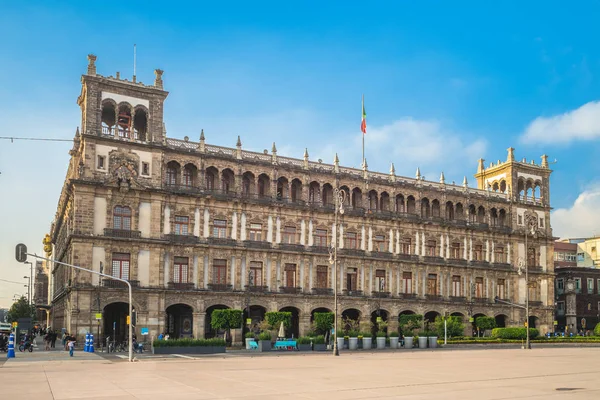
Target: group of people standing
50,339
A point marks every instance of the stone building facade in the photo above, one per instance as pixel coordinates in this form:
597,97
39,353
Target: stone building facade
195,227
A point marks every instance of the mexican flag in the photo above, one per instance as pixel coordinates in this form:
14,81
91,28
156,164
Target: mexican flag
363,124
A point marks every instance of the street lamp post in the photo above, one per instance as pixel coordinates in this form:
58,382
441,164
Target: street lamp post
339,198
28,288
30,279
531,226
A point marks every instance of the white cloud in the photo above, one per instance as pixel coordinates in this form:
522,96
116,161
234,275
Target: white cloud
580,124
582,218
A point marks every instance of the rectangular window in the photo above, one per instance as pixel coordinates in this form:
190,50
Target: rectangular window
351,278
290,275
181,270
380,280
122,218
580,257
501,289
220,272
289,235
598,285
455,252
430,248
478,252
320,238
590,286
520,220
541,222
531,258
322,273
578,285
407,282
560,286
432,284
182,225
351,242
560,307
101,162
379,244
220,228
255,275
532,291
479,288
499,255
456,292
256,232
120,265
145,168
405,246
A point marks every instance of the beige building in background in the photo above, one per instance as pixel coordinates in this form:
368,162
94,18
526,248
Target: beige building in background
196,227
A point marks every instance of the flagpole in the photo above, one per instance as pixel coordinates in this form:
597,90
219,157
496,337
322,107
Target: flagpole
363,134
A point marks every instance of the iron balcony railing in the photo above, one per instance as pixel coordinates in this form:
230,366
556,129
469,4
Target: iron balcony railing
122,233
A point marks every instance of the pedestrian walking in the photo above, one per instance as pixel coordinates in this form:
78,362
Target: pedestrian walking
71,345
47,341
53,338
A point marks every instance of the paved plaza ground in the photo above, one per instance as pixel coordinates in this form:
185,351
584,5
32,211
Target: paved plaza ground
561,373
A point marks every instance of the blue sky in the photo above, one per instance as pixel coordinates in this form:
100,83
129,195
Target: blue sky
444,82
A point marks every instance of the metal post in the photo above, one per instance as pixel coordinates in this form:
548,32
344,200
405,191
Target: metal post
106,276
445,330
336,351
527,343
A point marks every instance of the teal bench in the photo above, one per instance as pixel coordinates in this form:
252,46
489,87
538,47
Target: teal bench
253,345
285,345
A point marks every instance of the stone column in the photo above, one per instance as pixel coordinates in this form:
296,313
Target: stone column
198,319
304,324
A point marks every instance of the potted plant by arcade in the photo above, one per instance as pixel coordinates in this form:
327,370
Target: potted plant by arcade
394,336
226,319
408,324
381,335
367,337
352,333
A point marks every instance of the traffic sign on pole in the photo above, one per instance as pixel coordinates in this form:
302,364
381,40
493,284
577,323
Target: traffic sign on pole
21,252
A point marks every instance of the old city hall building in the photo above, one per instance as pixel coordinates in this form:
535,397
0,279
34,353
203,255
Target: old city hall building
196,227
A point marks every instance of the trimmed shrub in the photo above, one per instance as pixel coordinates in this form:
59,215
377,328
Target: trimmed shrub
597,329
319,339
514,333
454,326
274,319
380,334
304,340
249,335
188,343
264,336
323,321
226,319
394,334
409,322
485,323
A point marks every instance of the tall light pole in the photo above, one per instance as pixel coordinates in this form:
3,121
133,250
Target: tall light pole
531,226
28,287
339,198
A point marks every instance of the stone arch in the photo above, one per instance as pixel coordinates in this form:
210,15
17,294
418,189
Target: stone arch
356,200
459,211
140,122
227,180
372,198
327,195
411,206
294,329
190,175
384,201
248,184
449,211
283,187
173,176
435,208
296,190
501,320
209,332
211,175
108,116
256,316
179,321
400,207
425,208
314,192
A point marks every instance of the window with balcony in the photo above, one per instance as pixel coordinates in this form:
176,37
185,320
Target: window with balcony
290,275
181,270
531,257
455,251
188,177
351,279
499,255
407,282
432,289
351,242
322,275
171,175
380,280
255,276
256,232
122,218
478,252
560,286
320,238
289,235
219,272
379,243
182,225
120,265
479,287
431,248
501,289
405,246
220,228
456,283
590,286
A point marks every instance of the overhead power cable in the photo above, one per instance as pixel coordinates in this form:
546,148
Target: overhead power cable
12,139
4,280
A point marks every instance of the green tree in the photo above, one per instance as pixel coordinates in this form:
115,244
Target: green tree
274,319
226,319
323,322
454,326
20,309
485,323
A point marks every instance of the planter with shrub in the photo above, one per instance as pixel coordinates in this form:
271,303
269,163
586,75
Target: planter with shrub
367,341
380,337
422,340
353,340
189,346
319,343
408,324
394,340
249,338
514,333
264,341
305,343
